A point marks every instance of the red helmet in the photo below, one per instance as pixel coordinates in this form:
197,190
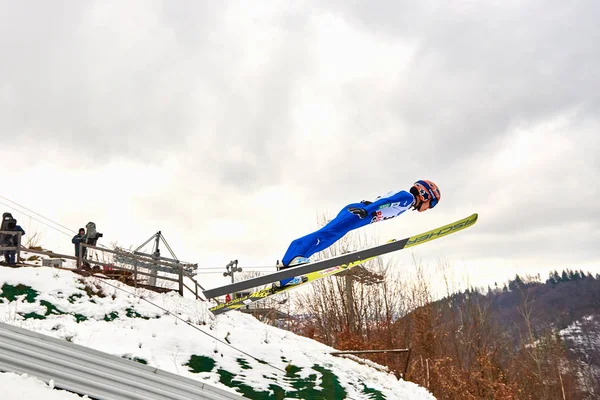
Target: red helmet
427,190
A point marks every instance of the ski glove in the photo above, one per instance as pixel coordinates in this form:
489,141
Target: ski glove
361,212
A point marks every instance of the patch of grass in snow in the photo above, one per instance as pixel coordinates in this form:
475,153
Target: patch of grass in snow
136,359
80,318
229,379
131,313
32,315
73,298
373,393
243,363
200,364
331,384
10,292
111,317
50,310
271,378
305,388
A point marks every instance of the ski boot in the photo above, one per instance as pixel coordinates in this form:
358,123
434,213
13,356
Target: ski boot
276,286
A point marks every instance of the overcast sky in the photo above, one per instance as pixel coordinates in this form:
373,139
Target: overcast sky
230,126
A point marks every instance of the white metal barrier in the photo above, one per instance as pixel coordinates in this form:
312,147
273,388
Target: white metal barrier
90,372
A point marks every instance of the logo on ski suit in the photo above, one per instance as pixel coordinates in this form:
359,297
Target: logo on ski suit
388,211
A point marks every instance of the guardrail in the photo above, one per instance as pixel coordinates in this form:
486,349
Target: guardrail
90,372
136,270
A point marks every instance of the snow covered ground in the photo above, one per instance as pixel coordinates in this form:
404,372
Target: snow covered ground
22,387
583,340
233,351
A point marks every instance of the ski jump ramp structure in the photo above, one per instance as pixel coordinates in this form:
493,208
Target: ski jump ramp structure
90,372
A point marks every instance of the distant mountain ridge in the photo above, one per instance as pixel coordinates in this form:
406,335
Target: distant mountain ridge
534,338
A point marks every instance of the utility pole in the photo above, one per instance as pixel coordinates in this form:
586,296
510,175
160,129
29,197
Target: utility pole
232,268
156,256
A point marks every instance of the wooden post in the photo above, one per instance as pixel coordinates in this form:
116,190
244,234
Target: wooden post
135,279
406,365
19,248
181,280
80,257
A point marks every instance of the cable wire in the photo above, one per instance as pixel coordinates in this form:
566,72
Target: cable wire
35,219
187,323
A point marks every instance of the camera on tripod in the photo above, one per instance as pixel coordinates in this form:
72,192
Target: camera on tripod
91,234
8,222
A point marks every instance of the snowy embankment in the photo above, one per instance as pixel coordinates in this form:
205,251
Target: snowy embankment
233,351
583,340
14,386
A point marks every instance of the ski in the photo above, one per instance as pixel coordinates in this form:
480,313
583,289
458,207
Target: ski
351,258
262,294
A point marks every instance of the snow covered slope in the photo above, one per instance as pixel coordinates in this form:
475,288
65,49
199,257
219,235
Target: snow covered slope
234,351
19,387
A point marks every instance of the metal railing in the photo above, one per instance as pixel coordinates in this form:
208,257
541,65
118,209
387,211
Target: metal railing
93,373
137,271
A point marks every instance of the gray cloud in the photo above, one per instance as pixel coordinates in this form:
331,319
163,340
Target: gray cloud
146,82
477,72
478,75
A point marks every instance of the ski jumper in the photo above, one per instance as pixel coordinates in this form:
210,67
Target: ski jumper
384,207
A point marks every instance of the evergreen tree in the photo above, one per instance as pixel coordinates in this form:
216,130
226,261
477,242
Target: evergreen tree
564,277
551,279
515,284
556,276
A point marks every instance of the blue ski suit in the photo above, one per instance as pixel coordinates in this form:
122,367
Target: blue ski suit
384,207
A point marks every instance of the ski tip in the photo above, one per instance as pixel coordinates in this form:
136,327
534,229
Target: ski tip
472,219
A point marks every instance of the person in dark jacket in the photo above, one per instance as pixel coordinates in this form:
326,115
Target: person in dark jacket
12,240
78,239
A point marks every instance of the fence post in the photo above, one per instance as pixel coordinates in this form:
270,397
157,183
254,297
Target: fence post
80,256
406,365
19,248
135,266
181,280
